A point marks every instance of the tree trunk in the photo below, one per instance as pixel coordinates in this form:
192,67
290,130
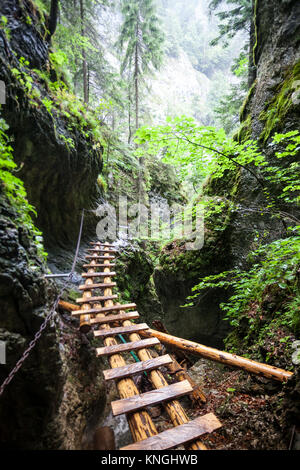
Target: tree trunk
129,114
248,365
252,66
136,83
54,9
84,63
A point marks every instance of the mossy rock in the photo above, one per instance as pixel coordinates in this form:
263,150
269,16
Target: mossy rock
277,109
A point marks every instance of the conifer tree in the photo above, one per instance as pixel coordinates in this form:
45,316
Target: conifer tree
233,19
141,40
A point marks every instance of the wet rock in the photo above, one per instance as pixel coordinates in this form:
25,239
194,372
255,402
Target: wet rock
60,181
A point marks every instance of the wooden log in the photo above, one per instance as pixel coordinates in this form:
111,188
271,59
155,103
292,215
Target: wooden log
111,308
99,298
104,439
177,436
101,318
68,306
248,365
84,322
197,397
123,330
129,405
140,423
136,368
96,286
124,347
98,274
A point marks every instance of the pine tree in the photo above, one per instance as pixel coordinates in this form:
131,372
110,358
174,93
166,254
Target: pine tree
233,19
141,40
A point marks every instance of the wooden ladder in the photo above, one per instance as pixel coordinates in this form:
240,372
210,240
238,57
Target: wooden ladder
113,319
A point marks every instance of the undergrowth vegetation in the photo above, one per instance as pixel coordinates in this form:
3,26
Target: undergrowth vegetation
273,268
14,190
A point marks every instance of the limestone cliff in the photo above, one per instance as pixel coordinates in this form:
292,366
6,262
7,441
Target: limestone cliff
48,404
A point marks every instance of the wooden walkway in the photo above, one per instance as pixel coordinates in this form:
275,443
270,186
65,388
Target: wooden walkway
111,319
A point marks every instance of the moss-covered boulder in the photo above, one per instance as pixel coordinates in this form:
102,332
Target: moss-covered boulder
135,267
180,269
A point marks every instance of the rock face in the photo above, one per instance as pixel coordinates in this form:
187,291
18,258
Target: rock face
58,393
178,271
24,298
60,179
270,106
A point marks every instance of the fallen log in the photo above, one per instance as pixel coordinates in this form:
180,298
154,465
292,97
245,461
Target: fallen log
248,365
68,306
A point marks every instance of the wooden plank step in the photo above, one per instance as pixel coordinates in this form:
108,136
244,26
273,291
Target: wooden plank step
99,274
179,435
99,257
103,244
101,250
100,298
104,309
115,318
137,402
124,347
136,368
105,285
96,265
123,330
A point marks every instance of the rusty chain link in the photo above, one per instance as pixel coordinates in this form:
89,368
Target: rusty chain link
47,319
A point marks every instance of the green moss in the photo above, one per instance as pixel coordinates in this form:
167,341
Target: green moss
101,181
249,95
72,295
276,110
236,183
175,259
245,130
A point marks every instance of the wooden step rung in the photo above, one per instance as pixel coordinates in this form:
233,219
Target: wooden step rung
137,402
179,435
112,308
124,347
136,368
103,244
100,298
108,265
114,318
123,330
99,257
104,285
99,274
101,250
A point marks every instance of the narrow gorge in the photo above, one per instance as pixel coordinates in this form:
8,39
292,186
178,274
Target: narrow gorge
162,107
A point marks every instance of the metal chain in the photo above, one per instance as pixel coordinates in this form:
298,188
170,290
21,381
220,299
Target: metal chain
45,322
31,344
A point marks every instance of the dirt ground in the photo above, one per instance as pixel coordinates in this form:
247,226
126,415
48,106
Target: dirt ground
248,408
